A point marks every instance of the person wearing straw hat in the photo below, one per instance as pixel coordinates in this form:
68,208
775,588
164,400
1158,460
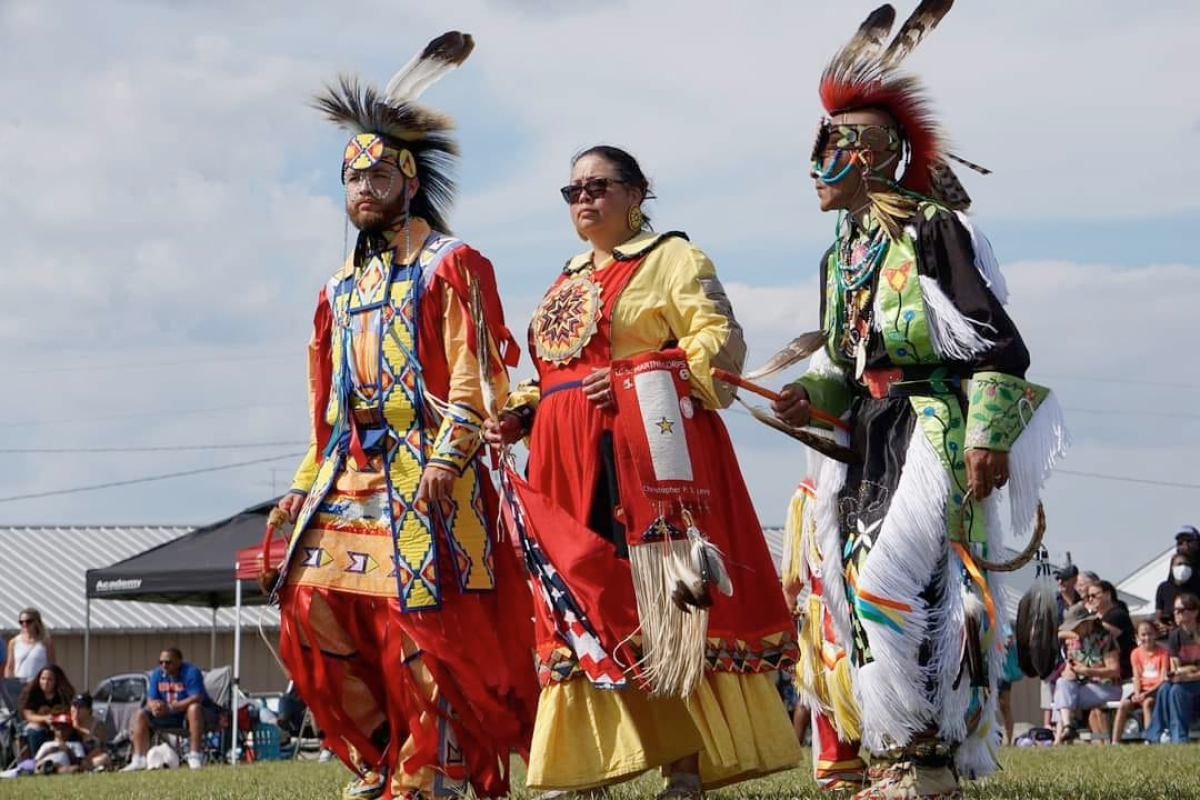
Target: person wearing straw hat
1092,675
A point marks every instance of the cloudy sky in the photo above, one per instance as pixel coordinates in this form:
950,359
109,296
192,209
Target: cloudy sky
171,205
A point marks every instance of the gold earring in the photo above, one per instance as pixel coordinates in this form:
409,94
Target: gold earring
636,218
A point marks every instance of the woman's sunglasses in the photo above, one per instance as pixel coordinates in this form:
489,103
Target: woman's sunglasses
593,187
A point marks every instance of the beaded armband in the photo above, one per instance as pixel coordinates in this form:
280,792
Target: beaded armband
1000,407
458,439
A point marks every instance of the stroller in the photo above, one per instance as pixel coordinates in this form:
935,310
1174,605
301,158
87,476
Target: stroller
10,721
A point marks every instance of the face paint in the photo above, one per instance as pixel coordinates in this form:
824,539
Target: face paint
379,182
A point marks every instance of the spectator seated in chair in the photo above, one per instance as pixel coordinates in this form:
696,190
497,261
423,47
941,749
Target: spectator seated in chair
46,694
1091,677
175,699
91,733
1174,705
1150,666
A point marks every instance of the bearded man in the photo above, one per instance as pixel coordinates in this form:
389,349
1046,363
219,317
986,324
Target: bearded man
927,367
405,624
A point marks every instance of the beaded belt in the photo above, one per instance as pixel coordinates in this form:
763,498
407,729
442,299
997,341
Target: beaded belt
897,382
561,387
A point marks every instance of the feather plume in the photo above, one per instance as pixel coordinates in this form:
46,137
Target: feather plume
797,349
973,665
869,39
709,562
970,164
945,187
440,56
918,25
1036,632
360,108
822,444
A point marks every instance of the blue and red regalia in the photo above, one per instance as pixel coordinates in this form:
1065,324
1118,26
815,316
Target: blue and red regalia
392,601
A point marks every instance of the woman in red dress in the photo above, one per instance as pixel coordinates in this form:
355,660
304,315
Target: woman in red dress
626,452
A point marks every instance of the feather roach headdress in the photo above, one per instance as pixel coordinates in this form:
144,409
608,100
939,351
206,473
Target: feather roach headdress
865,74
389,126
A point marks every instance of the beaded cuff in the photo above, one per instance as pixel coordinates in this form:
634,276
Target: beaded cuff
458,439
1000,407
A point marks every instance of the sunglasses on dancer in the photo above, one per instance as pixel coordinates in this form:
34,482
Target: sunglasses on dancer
594,188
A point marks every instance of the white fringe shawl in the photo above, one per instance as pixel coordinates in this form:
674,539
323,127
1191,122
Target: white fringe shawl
953,335
830,477
910,548
985,260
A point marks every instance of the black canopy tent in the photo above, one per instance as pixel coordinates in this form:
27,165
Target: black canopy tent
197,569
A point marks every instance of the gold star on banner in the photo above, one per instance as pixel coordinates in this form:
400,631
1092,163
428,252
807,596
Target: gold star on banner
665,425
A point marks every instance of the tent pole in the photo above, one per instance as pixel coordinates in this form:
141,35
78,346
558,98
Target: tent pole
237,656
212,641
87,640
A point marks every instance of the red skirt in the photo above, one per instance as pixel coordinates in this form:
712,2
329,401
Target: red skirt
750,631
465,666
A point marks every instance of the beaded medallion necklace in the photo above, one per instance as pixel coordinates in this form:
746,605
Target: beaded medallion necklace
853,277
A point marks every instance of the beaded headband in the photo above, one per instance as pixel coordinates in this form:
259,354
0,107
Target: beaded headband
856,136
365,150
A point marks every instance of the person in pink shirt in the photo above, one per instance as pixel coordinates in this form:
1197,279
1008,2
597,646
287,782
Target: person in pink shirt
1150,665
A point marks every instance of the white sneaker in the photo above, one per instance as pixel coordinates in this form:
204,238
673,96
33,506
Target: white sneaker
195,760
136,764
325,756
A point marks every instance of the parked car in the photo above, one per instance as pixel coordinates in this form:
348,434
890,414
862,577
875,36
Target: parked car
117,698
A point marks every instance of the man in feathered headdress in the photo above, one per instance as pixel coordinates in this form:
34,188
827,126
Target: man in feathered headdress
405,624
927,367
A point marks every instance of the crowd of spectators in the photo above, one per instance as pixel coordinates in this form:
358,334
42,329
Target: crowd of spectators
1109,662
56,729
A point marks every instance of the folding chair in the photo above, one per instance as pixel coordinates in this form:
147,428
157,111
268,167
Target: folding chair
218,685
10,721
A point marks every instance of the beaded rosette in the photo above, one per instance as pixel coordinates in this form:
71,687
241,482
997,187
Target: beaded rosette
566,320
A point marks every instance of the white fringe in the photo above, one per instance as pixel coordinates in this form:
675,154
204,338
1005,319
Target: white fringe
821,365
909,549
1031,460
985,260
948,637
830,476
673,641
953,335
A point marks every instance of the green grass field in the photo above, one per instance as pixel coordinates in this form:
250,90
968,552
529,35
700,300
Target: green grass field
1085,772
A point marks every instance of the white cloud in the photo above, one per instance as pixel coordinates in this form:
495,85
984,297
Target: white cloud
168,196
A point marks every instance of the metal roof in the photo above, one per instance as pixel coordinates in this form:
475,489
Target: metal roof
44,565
